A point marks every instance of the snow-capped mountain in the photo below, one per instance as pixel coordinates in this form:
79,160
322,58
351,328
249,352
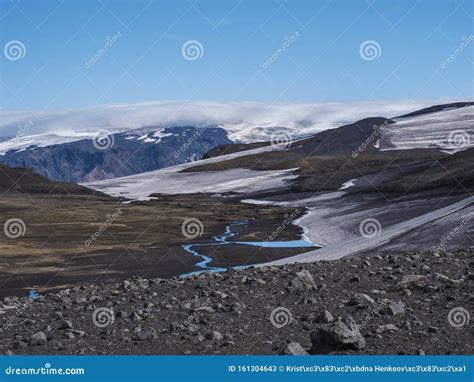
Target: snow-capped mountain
59,144
244,121
422,150
110,156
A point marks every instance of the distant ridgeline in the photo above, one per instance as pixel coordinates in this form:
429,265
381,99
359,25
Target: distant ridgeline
119,154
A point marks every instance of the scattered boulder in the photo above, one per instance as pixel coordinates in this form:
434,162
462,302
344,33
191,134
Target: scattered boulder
214,335
66,324
387,328
146,334
339,335
395,308
361,299
303,281
413,281
447,280
38,339
325,316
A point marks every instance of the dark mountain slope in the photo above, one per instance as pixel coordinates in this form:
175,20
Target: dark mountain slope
130,153
436,108
328,144
455,172
26,181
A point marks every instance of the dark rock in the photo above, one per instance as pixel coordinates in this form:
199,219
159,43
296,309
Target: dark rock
339,335
361,299
66,324
413,281
395,308
325,317
214,335
387,328
303,281
146,334
38,339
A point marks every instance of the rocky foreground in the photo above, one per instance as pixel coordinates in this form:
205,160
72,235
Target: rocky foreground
417,303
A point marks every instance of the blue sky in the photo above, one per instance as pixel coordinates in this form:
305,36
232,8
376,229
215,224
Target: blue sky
322,59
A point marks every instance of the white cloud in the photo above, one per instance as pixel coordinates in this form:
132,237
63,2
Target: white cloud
245,121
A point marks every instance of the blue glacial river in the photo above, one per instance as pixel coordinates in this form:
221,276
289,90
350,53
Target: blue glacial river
204,262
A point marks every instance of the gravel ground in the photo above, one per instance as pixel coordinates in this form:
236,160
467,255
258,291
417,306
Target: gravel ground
411,303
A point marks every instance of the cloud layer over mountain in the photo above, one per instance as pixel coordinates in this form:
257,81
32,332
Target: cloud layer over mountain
245,121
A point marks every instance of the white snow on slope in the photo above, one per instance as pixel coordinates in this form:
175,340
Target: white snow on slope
245,121
348,184
451,130
347,245
41,140
171,181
